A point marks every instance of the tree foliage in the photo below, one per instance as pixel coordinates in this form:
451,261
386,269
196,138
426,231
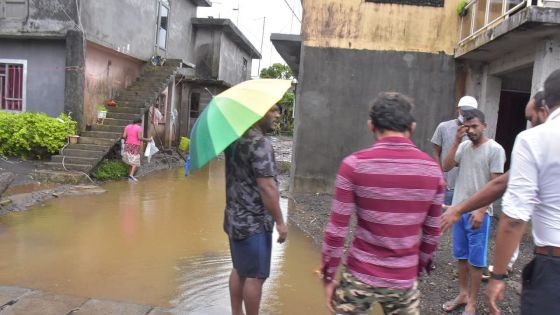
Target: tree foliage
277,71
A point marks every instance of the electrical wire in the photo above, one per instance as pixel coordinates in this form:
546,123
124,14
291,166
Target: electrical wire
293,12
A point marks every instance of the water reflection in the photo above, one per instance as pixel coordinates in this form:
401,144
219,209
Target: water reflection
157,242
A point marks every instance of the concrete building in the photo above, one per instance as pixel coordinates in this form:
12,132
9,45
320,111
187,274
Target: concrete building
350,50
223,58
73,55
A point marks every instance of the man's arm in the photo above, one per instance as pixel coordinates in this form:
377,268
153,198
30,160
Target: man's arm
450,159
271,200
262,163
517,208
343,207
431,232
437,154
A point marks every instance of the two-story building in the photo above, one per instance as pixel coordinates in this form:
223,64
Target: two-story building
73,55
499,51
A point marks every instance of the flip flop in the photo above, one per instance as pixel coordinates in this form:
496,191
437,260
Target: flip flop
468,313
451,305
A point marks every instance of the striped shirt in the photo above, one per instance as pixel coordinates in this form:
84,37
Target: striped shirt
396,191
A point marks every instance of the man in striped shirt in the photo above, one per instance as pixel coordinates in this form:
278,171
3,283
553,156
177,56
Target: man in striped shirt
396,191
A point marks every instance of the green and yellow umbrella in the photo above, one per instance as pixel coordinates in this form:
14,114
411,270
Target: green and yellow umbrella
229,115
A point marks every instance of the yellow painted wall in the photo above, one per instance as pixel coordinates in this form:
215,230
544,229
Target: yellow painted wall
356,24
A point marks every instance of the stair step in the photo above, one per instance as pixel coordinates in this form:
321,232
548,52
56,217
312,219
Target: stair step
88,147
116,122
102,134
122,116
128,110
84,153
97,141
71,167
107,128
75,160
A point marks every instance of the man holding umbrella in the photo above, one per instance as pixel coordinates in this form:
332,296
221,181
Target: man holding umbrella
252,209
236,122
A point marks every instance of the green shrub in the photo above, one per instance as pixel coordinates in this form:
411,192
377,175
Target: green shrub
33,135
111,169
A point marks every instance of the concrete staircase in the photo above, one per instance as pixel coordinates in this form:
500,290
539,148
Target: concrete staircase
132,103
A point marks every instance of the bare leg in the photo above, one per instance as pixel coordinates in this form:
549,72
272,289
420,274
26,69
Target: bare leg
132,170
463,296
476,278
252,293
236,284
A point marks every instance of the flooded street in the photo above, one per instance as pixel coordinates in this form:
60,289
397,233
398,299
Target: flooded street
159,242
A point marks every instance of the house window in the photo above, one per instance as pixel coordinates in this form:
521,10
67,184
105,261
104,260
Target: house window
163,18
13,81
195,105
244,68
428,3
13,9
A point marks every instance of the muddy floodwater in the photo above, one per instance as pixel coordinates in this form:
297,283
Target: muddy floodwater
159,242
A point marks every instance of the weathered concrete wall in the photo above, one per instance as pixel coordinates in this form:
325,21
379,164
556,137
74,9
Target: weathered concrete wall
107,73
335,92
136,23
357,24
180,44
231,62
46,61
207,53
44,18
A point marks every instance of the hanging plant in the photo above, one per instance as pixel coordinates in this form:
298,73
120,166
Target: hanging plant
462,8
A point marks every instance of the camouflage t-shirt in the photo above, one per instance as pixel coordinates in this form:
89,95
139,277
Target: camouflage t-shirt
247,159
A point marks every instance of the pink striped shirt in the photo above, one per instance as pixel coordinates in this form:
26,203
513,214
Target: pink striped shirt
396,191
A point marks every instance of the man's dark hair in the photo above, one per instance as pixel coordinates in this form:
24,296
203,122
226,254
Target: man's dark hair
137,120
552,89
474,113
539,100
392,111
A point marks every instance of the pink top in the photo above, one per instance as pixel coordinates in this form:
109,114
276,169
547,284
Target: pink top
132,134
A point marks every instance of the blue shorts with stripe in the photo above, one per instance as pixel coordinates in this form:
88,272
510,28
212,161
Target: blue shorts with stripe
471,244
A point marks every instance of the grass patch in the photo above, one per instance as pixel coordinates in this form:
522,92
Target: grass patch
111,170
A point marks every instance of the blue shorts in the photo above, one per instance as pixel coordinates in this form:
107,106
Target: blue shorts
251,256
469,244
448,197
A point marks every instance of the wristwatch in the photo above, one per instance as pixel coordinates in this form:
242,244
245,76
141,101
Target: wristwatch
500,277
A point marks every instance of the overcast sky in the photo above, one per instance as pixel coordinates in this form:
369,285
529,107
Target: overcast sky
249,19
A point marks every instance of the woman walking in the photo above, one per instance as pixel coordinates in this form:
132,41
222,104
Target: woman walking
133,137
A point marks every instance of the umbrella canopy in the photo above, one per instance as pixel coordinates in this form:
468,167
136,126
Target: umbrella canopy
230,114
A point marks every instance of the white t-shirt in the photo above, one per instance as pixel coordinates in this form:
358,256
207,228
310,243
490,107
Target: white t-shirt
475,167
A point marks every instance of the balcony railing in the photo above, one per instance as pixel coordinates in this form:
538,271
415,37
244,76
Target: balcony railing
483,14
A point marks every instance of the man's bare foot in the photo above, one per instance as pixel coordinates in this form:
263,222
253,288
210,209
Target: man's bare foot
454,304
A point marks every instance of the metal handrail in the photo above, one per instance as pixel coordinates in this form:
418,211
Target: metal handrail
472,7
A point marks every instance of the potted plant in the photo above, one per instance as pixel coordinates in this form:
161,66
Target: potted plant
462,8
73,139
101,112
110,103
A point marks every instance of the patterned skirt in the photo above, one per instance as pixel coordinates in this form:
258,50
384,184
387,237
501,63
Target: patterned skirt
131,155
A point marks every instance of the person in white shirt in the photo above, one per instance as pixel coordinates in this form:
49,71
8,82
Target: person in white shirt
533,193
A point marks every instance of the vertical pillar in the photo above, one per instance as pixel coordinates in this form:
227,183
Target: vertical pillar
547,59
74,82
489,102
171,96
473,80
